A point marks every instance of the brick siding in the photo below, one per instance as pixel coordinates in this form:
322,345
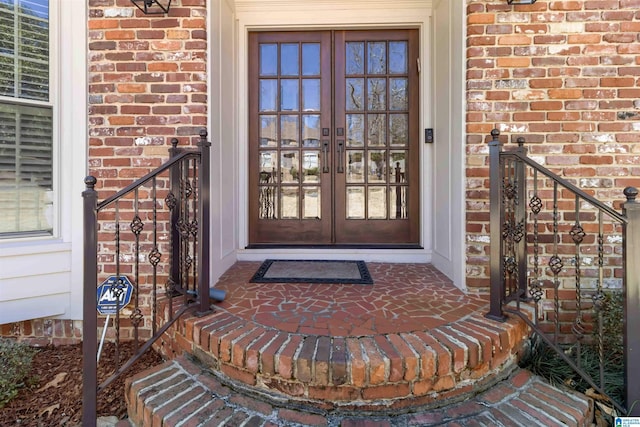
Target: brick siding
147,85
564,75
43,332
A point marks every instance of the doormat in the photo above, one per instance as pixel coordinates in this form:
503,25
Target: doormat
312,271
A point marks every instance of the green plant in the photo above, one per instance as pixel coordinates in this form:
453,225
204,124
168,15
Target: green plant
613,322
546,362
15,359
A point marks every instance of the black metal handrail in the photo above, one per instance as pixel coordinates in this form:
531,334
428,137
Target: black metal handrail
148,177
537,217
179,226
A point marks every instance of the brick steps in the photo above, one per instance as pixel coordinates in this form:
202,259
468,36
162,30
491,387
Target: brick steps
183,392
382,371
411,350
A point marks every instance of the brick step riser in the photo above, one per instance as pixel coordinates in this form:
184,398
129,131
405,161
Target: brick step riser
331,371
181,392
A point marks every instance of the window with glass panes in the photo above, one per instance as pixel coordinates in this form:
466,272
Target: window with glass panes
26,119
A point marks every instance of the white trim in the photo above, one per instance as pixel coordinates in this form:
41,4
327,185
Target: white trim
449,121
222,81
369,255
324,14
339,5
75,145
459,144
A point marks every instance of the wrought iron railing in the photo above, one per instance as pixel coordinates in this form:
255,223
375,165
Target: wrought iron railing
557,257
148,243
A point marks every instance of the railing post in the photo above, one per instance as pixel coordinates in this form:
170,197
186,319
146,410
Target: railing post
204,177
521,219
495,223
631,210
174,178
89,305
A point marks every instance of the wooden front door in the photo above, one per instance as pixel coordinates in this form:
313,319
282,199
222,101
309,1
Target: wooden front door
334,134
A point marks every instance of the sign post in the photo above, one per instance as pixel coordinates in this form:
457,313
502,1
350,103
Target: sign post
113,295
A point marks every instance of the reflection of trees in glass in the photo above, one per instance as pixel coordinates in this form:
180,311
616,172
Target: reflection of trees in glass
399,125
355,57
377,57
355,157
355,94
24,58
377,157
398,156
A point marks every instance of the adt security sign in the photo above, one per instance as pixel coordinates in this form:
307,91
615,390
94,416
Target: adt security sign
108,294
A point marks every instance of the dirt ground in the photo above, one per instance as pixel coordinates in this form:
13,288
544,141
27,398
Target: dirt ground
55,398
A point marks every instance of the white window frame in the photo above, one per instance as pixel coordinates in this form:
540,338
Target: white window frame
54,104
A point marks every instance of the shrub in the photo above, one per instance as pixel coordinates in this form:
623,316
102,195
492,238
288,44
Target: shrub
15,359
544,361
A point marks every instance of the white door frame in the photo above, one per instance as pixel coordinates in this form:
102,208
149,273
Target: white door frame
256,15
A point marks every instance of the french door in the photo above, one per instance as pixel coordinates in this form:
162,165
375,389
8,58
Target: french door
333,138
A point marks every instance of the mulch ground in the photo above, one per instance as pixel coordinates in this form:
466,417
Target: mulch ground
55,397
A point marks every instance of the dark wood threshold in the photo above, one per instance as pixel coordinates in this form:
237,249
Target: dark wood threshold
334,246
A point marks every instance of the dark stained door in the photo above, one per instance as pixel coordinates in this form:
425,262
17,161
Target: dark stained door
333,152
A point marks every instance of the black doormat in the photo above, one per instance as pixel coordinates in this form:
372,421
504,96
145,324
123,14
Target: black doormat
312,271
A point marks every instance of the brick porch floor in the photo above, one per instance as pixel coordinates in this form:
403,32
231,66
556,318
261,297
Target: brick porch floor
409,342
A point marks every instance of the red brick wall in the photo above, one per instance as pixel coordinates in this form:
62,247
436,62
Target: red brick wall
42,332
565,75
147,84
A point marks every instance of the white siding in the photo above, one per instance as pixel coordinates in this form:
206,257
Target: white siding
43,277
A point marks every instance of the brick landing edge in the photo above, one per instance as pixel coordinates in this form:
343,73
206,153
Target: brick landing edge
181,392
392,371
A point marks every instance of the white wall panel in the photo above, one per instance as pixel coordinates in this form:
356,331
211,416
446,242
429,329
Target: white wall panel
449,145
33,308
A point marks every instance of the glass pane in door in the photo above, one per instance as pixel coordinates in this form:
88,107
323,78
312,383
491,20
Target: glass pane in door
354,57
310,59
333,137
290,105
289,202
289,59
268,59
268,95
312,208
268,136
377,109
377,203
398,57
289,130
355,203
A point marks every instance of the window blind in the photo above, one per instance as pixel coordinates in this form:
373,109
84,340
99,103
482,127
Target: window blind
24,54
26,119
